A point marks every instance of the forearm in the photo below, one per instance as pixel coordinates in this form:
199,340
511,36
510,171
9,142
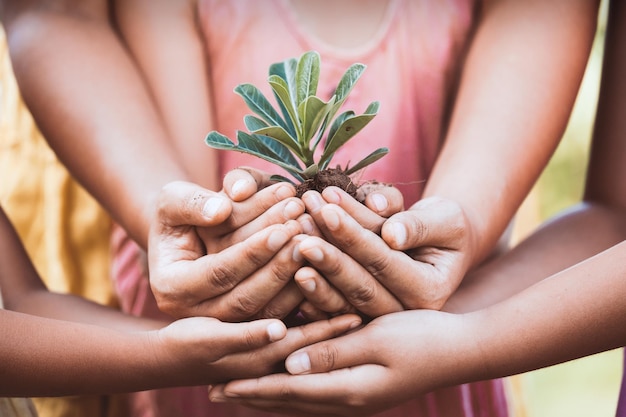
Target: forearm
79,310
92,106
571,237
575,313
174,65
60,358
519,83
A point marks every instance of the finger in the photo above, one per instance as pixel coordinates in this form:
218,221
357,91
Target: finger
339,393
311,313
382,199
249,209
361,213
281,212
430,222
251,335
416,283
182,203
228,338
253,296
241,183
358,286
349,350
211,275
283,304
308,225
320,294
308,334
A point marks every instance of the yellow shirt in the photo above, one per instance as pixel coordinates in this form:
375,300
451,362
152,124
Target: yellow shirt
65,232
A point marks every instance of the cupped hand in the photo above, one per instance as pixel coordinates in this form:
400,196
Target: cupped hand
210,256
390,360
417,262
204,350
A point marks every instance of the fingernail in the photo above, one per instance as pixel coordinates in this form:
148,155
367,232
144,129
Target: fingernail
239,186
331,218
276,240
296,255
292,210
313,201
298,363
379,201
284,191
307,225
212,206
332,196
217,398
308,285
275,331
399,233
355,324
314,254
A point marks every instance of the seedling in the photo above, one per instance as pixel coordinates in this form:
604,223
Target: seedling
289,136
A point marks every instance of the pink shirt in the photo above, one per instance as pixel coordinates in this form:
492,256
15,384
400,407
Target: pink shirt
411,63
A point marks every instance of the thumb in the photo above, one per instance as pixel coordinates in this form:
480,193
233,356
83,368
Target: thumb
246,336
329,355
430,222
183,203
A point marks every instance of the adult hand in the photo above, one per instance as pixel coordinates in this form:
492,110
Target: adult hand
417,261
203,350
210,256
390,360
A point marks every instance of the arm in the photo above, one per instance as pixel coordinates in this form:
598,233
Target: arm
517,89
518,85
588,228
574,313
528,331
71,67
175,67
55,344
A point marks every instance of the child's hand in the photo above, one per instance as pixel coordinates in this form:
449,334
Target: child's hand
204,350
210,256
352,375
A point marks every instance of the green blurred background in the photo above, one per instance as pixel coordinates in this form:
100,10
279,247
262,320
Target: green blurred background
586,387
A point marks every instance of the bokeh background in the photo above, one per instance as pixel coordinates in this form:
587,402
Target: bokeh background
580,388
585,387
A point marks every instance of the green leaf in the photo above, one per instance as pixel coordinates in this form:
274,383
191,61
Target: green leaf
348,80
275,149
286,101
346,84
368,160
312,112
257,102
287,71
280,178
346,131
307,76
281,135
337,122
218,141
253,123
252,146
310,171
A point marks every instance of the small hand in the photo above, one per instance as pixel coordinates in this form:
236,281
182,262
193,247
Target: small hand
387,362
204,350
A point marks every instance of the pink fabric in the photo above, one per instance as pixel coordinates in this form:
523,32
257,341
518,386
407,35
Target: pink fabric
412,63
